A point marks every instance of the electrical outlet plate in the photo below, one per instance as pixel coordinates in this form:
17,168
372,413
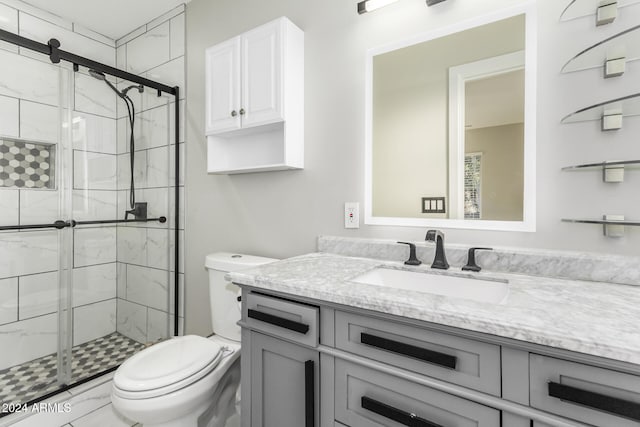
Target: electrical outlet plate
352,215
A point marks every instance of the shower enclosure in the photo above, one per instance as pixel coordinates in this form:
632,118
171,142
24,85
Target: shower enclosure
88,218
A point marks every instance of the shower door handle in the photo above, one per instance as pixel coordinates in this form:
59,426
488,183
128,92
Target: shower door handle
57,225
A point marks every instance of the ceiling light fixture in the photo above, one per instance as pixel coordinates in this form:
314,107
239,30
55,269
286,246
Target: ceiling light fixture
369,5
432,2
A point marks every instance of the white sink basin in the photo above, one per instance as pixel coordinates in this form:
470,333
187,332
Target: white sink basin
492,291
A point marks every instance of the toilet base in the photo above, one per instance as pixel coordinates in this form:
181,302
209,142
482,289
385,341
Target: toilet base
207,403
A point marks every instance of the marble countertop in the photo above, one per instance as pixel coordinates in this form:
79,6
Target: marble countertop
600,319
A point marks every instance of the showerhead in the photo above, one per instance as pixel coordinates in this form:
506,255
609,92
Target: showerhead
97,75
140,89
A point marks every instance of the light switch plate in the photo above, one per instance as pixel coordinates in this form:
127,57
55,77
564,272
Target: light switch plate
352,215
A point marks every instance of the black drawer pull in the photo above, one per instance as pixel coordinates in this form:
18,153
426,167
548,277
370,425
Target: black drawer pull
309,393
430,356
597,401
278,321
402,417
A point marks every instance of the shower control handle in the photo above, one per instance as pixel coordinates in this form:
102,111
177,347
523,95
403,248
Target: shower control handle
234,113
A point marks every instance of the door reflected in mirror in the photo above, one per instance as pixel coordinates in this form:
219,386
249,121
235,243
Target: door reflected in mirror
452,117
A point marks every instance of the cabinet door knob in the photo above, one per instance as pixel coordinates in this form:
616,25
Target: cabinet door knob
242,111
234,113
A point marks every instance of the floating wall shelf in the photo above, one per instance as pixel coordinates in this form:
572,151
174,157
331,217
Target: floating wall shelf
612,171
581,8
612,53
610,112
611,227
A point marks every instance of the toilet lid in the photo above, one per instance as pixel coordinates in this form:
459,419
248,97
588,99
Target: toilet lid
167,363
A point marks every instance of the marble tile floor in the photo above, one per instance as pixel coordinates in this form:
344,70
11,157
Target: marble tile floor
25,382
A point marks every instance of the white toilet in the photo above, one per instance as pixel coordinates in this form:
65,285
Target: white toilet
190,381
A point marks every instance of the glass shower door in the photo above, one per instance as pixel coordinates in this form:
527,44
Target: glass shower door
35,237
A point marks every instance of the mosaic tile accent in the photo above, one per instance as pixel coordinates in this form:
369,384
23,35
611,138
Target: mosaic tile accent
25,382
27,164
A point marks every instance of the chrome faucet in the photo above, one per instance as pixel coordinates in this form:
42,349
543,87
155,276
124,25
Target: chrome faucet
440,260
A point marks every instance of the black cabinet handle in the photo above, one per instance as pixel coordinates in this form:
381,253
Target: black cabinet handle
309,393
441,359
278,321
602,402
397,415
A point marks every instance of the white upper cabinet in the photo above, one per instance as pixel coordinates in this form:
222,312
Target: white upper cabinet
255,100
223,86
262,75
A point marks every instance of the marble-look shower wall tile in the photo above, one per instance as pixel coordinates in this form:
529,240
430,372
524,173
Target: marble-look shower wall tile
42,31
28,79
148,286
38,206
158,247
28,253
139,170
132,320
10,113
94,284
170,73
158,167
132,245
122,280
177,44
35,338
91,205
94,133
122,129
38,122
93,246
93,96
121,57
38,294
157,325
94,321
8,22
152,128
9,304
9,207
95,171
149,50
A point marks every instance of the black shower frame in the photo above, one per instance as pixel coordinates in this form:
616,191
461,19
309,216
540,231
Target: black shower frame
52,49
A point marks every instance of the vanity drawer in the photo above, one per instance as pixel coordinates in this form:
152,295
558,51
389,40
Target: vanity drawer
596,396
462,361
368,398
292,321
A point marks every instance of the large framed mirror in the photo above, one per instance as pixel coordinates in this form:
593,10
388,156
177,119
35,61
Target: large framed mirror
450,126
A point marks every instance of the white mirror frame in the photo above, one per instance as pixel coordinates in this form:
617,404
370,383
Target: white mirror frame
528,224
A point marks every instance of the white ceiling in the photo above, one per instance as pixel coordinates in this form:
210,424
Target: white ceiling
111,18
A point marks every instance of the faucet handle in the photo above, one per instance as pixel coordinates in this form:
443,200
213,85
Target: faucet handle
471,259
413,260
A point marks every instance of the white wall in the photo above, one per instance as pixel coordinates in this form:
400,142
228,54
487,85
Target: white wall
280,214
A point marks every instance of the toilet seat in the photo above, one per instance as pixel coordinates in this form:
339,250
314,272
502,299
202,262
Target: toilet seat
166,367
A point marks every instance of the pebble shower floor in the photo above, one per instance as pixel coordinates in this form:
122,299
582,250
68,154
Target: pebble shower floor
22,383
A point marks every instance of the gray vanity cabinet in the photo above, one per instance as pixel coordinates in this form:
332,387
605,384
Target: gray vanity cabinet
384,371
365,397
284,383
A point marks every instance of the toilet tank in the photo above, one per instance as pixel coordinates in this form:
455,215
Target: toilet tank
225,309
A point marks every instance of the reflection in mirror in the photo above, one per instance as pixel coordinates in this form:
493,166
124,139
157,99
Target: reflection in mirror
448,118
